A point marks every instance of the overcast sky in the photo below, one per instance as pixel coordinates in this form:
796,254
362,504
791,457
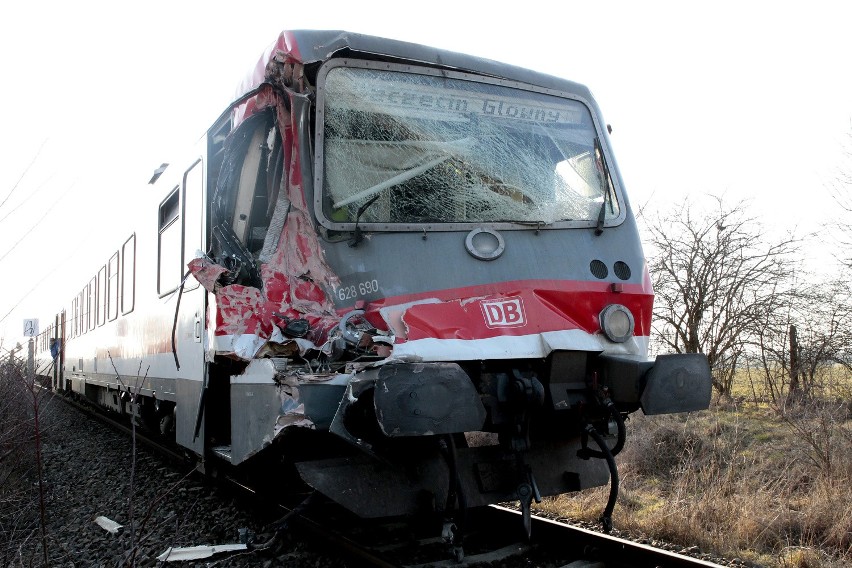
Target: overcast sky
748,99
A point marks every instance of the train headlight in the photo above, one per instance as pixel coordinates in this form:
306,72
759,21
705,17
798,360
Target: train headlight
617,323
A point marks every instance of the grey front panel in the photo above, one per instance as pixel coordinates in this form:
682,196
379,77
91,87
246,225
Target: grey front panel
407,263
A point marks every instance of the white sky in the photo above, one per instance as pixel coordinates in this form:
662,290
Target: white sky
748,99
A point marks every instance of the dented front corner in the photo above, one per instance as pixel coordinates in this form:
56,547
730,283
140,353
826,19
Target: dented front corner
255,407
267,399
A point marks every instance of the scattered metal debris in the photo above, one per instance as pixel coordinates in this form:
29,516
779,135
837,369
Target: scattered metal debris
109,525
198,552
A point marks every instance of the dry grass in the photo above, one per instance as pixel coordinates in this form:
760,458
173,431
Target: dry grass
740,481
757,384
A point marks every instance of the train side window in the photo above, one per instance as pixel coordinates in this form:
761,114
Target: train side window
101,297
74,317
85,309
112,287
128,275
169,244
91,302
81,303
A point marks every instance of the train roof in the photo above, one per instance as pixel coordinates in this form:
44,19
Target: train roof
316,46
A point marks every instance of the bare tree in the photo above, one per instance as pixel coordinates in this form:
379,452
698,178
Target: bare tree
822,315
22,405
718,280
798,352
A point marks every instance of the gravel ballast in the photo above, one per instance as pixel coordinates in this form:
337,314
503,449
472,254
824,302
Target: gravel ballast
87,471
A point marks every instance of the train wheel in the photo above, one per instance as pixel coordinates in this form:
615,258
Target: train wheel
167,425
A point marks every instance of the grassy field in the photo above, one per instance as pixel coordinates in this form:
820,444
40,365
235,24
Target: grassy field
744,479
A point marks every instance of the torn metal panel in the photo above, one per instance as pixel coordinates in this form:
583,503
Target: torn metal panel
258,371
181,554
241,311
294,278
108,525
393,315
207,273
292,412
309,401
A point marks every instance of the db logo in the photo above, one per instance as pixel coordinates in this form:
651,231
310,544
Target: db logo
504,313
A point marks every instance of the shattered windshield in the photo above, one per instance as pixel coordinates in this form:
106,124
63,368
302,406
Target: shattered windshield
419,148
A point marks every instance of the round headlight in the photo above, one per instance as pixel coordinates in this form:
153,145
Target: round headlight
617,323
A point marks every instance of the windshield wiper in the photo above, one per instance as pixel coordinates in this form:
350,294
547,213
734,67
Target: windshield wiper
602,215
603,174
359,236
539,225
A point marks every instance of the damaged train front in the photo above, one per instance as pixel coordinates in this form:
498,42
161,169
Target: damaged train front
486,369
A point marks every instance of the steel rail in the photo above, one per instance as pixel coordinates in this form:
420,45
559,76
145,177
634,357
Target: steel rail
612,550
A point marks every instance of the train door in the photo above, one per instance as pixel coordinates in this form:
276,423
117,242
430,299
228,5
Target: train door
190,325
54,345
60,359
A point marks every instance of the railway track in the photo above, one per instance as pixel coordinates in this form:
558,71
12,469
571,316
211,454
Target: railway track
493,535
492,540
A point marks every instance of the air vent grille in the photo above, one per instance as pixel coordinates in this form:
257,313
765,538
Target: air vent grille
599,269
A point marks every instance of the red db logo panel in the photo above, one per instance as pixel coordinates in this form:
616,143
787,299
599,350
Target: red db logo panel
508,312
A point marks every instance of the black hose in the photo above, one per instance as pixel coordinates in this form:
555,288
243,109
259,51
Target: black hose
606,517
177,313
622,434
622,429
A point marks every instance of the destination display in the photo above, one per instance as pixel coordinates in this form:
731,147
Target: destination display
405,94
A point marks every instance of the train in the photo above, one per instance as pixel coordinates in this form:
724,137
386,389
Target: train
411,273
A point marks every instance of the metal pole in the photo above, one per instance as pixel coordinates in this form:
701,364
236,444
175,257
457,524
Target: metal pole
31,359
